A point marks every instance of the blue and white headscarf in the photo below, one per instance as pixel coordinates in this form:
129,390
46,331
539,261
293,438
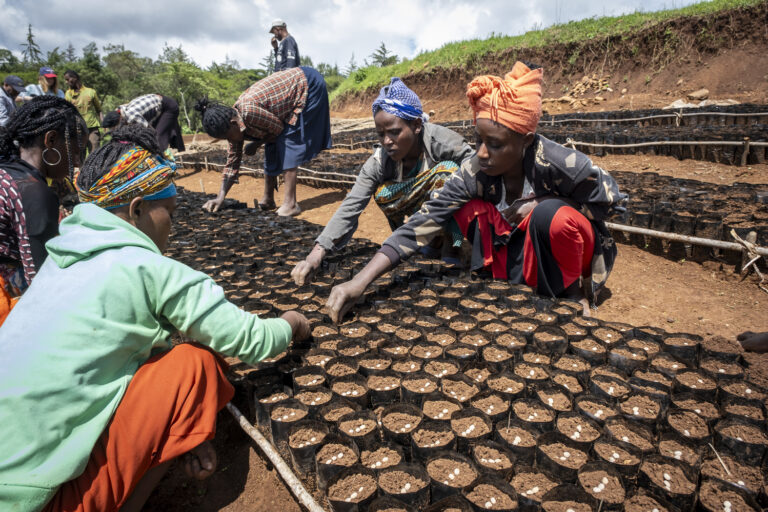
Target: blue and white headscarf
397,99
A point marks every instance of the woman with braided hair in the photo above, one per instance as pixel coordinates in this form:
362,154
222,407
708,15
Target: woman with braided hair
40,142
119,400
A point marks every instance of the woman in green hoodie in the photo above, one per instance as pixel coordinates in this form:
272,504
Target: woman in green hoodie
94,400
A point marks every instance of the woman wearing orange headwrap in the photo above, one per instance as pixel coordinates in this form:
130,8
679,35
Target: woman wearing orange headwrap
532,209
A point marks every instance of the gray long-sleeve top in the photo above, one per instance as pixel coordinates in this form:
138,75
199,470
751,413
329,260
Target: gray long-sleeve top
550,168
440,144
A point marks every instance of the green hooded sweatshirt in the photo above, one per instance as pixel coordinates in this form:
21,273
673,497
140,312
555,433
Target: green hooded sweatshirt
103,302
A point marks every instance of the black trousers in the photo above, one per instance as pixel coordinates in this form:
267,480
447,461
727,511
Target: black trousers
167,126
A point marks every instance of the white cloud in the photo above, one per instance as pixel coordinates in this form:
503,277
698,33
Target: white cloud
327,30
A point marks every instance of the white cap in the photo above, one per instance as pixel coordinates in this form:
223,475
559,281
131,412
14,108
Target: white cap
277,23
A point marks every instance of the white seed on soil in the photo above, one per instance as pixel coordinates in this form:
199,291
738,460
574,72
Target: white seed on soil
611,390
697,411
570,510
451,476
599,413
687,433
532,490
532,373
378,464
727,506
385,459
575,435
675,366
635,411
741,482
578,428
456,471
493,500
625,439
516,441
594,349
615,455
678,454
353,495
488,504
550,401
748,391
667,477
655,510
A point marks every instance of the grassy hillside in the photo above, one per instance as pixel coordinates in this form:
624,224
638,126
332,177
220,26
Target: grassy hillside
461,53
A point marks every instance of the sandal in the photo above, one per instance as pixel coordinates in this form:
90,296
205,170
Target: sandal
267,207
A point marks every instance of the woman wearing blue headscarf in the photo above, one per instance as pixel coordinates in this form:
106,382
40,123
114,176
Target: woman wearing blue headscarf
415,158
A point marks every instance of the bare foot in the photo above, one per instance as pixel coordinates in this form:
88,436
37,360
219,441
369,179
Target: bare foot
200,462
754,341
289,211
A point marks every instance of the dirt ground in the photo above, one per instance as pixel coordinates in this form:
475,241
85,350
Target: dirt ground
644,289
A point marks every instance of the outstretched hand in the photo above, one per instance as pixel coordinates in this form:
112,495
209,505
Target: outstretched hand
299,325
213,205
342,298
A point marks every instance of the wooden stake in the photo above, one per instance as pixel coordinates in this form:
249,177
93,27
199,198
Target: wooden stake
202,186
721,460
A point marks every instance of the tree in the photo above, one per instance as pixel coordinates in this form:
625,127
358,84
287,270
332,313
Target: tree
383,57
8,60
351,66
268,64
30,49
172,54
55,58
69,53
306,60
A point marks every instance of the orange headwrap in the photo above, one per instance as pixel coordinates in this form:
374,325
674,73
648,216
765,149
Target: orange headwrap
514,101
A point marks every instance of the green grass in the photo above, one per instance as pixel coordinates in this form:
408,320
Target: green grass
462,53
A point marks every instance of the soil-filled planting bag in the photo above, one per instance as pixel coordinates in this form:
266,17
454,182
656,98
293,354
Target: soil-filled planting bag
578,428
493,458
604,483
670,480
383,387
414,387
717,496
449,473
559,455
361,427
470,426
304,438
337,454
454,503
399,421
744,440
267,399
353,388
283,416
406,482
431,437
352,490
491,493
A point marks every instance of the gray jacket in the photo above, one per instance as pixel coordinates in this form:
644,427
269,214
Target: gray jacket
551,169
7,106
440,144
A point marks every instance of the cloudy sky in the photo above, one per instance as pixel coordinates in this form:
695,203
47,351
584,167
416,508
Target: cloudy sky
327,30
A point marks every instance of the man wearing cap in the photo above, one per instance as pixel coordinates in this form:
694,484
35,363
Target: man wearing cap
88,104
286,49
48,83
12,86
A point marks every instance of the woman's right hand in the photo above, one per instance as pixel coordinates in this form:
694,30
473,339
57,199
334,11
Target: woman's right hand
304,271
342,298
299,325
213,205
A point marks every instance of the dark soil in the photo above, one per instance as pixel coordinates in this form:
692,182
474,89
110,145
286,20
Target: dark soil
441,369
611,452
450,472
566,456
571,363
383,382
488,497
720,369
555,399
630,433
470,427
577,429
602,486
695,380
336,455
531,372
688,424
419,385
407,366
678,451
478,374
532,484
348,389
742,432
401,423
669,477
381,458
305,437
357,427
433,436
528,412
537,358
569,382
336,413
511,341
491,457
400,482
716,496
747,477
339,369
565,506
643,503
287,414
747,410
639,406
459,390
352,489
517,436
706,410
505,384
491,405
314,398
439,409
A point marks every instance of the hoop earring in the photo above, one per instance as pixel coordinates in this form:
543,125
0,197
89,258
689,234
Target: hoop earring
58,153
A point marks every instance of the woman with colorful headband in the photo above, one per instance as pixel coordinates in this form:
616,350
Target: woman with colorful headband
415,158
40,143
532,209
95,401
